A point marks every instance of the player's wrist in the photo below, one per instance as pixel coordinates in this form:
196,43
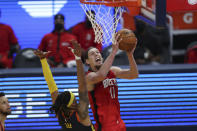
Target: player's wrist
76,57
114,51
43,59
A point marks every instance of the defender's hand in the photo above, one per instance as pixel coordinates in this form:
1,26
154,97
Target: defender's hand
41,54
77,51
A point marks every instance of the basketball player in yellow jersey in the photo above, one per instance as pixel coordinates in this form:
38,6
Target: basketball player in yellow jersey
72,116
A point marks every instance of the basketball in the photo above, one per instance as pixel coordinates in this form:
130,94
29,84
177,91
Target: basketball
128,41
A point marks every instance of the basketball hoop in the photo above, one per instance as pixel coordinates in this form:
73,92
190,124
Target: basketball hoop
104,16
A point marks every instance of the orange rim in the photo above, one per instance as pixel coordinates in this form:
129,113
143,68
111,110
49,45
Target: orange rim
112,3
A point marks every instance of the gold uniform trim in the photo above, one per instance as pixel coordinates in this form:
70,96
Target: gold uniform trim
72,96
92,127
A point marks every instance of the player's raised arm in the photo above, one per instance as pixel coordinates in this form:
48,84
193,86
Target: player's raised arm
132,72
47,74
82,89
95,60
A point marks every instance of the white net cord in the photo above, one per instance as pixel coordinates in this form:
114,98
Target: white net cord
104,21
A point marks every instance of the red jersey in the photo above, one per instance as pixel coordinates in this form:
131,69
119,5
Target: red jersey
58,45
7,38
85,36
105,105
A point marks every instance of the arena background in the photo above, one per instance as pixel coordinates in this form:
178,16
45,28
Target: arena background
164,97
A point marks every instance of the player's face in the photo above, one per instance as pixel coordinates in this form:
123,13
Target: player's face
4,106
94,58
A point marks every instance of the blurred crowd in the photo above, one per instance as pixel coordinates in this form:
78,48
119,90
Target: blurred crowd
57,42
152,47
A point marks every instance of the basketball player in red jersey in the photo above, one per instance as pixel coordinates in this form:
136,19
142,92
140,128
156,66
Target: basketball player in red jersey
103,89
4,110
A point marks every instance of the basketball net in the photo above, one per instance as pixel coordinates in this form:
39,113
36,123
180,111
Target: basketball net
104,21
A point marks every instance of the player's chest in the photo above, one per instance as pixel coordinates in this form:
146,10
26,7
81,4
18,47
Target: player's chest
107,88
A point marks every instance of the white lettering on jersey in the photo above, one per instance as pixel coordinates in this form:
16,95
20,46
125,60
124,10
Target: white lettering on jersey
109,82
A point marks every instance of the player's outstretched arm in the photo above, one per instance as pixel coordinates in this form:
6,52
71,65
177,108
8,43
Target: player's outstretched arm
95,77
83,92
130,73
47,74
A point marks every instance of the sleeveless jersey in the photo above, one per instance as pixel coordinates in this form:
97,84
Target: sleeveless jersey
104,102
75,125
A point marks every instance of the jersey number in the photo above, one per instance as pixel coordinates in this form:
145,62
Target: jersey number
112,92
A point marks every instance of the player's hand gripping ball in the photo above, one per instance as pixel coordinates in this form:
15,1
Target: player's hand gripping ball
128,41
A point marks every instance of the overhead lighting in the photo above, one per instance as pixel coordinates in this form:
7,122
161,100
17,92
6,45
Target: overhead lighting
42,8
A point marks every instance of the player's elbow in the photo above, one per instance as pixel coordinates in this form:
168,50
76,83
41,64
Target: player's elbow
133,75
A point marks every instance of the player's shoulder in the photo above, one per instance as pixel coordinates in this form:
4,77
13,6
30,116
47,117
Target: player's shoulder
115,70
90,75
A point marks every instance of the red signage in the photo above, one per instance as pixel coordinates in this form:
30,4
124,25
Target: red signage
184,20
181,5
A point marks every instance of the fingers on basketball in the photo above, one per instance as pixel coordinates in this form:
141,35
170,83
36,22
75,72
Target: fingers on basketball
128,40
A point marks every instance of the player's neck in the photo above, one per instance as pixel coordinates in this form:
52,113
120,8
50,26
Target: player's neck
2,118
2,123
2,126
94,69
